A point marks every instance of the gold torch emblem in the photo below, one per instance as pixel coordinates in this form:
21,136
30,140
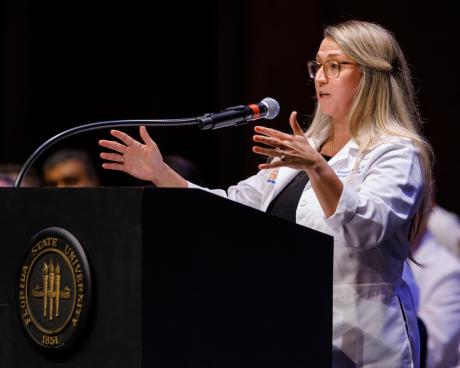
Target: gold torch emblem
51,290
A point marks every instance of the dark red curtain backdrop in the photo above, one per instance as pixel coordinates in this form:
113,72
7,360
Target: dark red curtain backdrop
74,62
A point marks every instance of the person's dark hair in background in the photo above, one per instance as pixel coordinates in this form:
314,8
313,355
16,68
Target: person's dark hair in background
69,168
186,168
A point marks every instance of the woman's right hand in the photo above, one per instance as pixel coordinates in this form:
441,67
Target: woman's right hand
143,161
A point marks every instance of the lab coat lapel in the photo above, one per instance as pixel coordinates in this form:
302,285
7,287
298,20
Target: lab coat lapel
285,175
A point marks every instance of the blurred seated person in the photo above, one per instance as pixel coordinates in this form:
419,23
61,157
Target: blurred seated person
70,168
10,172
438,282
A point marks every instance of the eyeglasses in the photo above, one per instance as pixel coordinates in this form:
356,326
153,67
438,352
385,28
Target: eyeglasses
331,68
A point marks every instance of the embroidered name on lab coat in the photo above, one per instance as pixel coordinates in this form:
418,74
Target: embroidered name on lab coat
342,173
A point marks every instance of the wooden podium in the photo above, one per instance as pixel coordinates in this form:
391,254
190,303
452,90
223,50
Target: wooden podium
179,278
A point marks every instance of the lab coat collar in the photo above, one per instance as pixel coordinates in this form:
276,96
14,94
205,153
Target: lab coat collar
348,152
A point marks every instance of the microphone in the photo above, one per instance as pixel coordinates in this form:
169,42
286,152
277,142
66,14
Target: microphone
268,108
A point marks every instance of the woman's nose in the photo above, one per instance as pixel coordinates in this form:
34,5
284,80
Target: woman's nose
321,75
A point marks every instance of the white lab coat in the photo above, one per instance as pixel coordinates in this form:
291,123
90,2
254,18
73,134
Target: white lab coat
374,318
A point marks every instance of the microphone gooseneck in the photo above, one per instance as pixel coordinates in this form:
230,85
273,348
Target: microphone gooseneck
268,108
95,126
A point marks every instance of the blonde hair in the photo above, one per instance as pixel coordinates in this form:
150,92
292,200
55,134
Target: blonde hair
385,104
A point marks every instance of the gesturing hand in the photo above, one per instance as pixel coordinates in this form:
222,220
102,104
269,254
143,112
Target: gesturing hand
293,150
142,161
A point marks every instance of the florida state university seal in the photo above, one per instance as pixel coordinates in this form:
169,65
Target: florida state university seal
54,292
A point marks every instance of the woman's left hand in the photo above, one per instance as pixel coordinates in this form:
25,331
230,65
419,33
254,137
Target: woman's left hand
293,150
